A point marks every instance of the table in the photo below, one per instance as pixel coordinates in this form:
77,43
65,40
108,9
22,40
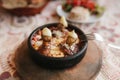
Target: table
13,30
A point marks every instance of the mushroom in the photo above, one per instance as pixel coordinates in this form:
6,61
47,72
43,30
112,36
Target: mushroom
72,37
63,23
46,34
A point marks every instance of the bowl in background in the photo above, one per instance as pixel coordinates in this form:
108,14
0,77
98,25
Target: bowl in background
23,7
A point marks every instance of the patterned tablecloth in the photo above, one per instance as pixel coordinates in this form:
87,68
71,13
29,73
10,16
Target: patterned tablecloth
13,30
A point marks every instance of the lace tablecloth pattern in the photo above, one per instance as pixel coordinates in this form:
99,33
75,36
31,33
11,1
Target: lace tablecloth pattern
13,30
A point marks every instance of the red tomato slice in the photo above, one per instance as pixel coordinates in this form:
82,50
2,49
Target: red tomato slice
76,2
90,5
69,1
84,2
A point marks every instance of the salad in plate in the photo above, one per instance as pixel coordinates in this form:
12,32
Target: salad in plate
92,6
81,10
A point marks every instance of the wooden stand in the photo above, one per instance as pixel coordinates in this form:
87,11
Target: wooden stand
87,69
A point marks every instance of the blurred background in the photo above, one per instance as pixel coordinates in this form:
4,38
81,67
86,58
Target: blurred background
18,18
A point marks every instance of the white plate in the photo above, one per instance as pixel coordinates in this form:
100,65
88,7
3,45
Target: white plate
92,19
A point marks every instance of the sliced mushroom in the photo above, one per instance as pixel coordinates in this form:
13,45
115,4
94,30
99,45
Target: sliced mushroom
63,22
46,34
72,37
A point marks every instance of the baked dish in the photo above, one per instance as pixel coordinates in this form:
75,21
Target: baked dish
56,41
57,45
